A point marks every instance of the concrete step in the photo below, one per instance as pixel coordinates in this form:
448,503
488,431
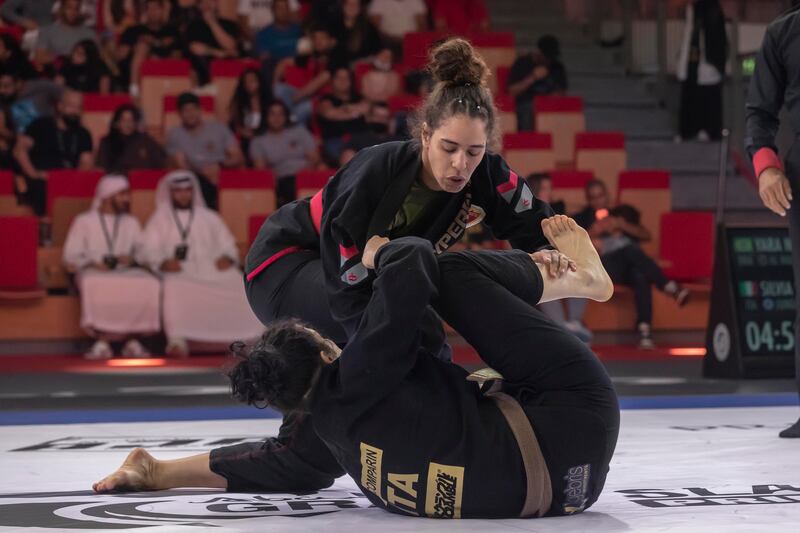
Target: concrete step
613,90
641,123
687,157
590,59
699,192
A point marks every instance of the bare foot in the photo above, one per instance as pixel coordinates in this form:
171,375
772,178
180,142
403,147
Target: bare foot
137,473
570,239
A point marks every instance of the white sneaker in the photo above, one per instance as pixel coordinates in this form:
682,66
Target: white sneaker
177,348
645,340
134,349
99,351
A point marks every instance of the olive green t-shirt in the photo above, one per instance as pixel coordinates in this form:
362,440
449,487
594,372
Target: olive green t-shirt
420,209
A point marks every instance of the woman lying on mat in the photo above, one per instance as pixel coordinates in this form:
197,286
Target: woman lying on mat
417,436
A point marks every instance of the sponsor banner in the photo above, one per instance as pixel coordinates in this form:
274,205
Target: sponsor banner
83,510
704,497
153,443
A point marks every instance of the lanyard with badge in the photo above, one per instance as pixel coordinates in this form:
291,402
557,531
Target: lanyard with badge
182,250
110,259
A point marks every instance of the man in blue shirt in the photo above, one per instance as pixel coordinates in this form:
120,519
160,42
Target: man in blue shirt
278,40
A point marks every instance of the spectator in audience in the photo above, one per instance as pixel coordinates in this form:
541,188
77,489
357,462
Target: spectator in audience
248,107
284,148
118,16
395,18
616,233
12,59
52,143
379,120
356,36
210,37
461,18
182,13
202,146
84,70
701,69
256,15
153,38
7,137
118,300
342,114
533,74
195,254
572,320
298,94
10,85
35,98
88,11
31,15
382,81
278,40
59,38
126,147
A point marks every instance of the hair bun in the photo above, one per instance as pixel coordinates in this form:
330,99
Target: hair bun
455,62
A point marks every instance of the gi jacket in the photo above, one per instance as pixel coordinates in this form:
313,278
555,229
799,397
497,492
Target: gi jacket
409,429
363,198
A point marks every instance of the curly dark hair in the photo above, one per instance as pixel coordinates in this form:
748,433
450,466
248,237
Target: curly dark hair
460,78
279,369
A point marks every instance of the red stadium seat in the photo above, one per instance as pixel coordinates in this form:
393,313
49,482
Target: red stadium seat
498,50
649,192
242,194
255,223
97,112
225,76
563,117
687,245
569,186
404,102
416,46
161,77
501,74
19,241
309,182
602,153
529,151
506,112
143,192
69,193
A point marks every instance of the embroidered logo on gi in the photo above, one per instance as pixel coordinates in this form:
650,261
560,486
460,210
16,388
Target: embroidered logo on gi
371,463
456,230
356,273
525,201
509,188
475,216
445,488
577,479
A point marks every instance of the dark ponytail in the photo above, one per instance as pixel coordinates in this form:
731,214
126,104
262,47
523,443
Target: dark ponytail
460,88
279,369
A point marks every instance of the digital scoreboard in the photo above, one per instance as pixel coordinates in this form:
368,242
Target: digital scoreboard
751,319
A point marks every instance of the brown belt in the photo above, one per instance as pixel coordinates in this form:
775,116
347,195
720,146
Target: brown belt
539,493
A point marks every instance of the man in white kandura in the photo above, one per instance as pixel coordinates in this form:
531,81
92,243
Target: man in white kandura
118,300
195,253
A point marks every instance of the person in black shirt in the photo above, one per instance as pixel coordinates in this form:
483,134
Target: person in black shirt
126,147
533,74
84,70
617,232
342,113
417,437
775,82
52,143
357,36
153,38
12,58
210,37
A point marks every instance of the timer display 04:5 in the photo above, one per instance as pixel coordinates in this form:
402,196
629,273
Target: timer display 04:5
769,337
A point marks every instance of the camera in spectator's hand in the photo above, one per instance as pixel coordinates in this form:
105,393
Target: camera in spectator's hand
181,251
110,261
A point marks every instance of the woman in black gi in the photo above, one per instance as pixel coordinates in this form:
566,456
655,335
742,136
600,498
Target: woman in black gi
414,434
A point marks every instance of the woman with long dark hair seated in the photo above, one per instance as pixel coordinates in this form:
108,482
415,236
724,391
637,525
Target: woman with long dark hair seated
412,431
126,147
248,108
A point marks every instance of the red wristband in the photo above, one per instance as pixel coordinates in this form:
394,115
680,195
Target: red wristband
766,158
